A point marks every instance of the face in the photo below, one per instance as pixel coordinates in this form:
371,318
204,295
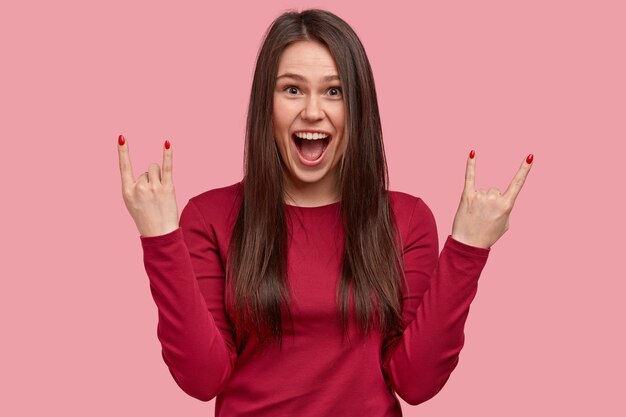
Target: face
309,102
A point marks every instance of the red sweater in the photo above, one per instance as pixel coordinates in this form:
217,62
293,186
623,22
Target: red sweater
314,374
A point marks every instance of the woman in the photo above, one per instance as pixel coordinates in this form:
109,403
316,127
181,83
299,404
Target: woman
309,288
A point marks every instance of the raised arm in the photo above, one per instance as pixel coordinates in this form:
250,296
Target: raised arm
186,278
419,361
187,283
436,305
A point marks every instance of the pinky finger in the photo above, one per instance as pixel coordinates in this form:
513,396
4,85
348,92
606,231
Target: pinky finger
167,162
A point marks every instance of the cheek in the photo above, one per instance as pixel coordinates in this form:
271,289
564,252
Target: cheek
341,147
338,118
279,136
280,117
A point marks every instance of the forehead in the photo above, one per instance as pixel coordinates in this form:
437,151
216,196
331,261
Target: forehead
308,57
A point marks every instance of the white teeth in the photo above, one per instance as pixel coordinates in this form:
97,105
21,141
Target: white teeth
311,136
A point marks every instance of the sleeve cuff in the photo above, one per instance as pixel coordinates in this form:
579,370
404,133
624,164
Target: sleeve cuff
149,241
465,248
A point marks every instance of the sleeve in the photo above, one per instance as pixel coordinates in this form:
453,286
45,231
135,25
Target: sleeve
187,281
436,306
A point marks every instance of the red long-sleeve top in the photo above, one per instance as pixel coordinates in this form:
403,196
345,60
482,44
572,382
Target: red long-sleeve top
315,374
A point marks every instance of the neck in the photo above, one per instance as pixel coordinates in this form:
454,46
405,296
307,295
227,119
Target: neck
319,193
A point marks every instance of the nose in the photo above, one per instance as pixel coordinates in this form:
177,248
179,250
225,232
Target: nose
312,109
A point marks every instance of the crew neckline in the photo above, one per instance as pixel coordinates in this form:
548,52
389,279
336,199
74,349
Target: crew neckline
314,207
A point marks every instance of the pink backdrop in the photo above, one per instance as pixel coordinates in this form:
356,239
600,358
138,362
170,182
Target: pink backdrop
545,334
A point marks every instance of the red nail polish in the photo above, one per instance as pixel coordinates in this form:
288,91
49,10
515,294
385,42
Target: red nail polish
529,159
472,153
121,140
167,144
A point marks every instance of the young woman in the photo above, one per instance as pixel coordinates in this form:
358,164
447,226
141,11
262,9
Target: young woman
308,288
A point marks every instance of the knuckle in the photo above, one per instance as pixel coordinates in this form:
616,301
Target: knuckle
468,195
127,193
143,186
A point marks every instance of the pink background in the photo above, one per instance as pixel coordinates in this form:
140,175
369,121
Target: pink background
545,334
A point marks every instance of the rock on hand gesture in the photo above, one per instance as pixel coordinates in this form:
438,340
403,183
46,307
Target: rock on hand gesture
483,215
150,199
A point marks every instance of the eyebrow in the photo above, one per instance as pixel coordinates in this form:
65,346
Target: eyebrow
301,78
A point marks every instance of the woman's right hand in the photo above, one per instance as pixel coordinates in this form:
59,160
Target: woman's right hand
150,200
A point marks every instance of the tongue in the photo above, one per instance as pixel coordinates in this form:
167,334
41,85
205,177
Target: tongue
311,149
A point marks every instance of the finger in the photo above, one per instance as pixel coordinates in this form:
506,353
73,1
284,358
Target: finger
154,173
126,168
470,170
167,162
516,184
143,177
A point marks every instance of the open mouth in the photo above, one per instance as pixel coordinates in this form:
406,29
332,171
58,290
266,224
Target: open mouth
311,149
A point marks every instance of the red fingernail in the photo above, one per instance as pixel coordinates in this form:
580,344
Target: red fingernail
167,144
121,140
472,153
529,159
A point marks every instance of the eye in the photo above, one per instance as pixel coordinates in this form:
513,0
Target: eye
338,89
290,88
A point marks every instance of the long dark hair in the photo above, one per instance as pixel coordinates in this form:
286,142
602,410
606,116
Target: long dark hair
256,283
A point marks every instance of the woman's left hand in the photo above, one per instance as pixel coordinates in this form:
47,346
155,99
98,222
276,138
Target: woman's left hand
483,216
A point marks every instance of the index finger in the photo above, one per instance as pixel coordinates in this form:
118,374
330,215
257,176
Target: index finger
470,171
126,168
518,181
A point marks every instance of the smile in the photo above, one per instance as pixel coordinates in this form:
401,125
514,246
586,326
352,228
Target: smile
311,146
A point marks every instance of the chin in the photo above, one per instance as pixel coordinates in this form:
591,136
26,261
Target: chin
308,177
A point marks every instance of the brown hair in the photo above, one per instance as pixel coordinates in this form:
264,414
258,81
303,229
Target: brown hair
257,255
